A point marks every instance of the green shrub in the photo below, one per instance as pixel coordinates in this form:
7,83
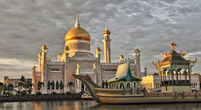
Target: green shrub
23,93
54,93
38,93
68,93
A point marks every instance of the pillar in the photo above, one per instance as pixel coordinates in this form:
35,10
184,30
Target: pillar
39,61
107,47
44,68
189,74
185,75
34,80
176,77
172,74
137,58
98,55
67,76
168,73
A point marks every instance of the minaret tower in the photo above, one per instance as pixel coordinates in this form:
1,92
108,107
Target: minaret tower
107,47
137,57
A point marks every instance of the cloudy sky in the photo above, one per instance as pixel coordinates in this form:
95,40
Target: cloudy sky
150,25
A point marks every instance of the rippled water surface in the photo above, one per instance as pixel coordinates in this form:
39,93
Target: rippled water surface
92,105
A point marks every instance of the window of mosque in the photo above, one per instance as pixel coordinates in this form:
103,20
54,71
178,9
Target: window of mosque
110,70
54,70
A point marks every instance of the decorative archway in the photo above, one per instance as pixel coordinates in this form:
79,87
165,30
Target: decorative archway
128,85
121,85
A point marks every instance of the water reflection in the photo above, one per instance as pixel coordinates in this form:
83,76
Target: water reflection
92,105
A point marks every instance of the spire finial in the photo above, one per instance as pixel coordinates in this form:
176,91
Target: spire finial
173,45
77,23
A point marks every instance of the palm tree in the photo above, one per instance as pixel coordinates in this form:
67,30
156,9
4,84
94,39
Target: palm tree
1,87
28,85
53,85
70,85
48,85
10,87
40,85
61,85
57,85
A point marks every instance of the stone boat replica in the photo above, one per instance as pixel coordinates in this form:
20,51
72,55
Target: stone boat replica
124,96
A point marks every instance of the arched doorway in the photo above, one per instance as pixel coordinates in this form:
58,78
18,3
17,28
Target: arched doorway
128,85
134,85
121,85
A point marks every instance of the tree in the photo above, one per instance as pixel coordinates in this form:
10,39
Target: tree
22,78
48,85
28,85
1,87
40,85
70,85
10,87
53,85
57,85
61,85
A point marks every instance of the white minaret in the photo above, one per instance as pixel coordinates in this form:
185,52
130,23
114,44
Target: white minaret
107,47
137,58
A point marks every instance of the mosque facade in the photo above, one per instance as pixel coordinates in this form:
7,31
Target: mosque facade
56,76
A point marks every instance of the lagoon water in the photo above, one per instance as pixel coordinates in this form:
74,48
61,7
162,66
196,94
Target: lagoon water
92,105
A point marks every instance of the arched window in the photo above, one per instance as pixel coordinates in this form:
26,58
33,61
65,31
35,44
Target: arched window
134,85
128,85
121,85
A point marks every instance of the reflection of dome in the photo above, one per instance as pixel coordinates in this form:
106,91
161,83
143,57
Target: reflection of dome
77,33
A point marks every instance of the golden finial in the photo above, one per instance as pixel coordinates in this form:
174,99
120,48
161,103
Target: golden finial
77,23
98,49
173,45
137,51
106,31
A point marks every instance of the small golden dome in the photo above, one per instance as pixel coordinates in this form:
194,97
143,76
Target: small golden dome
106,31
98,49
137,51
77,33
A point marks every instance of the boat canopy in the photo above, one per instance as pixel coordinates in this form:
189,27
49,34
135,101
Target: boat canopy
124,74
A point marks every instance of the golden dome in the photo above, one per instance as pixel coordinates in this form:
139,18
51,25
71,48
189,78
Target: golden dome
77,33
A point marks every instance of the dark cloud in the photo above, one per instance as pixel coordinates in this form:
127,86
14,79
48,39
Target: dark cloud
149,25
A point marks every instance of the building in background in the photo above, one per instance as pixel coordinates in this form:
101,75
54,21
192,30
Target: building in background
16,85
77,58
175,71
195,82
151,82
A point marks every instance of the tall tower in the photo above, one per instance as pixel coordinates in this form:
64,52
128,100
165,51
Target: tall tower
107,50
137,57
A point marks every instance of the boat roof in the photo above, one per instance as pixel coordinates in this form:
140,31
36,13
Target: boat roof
124,74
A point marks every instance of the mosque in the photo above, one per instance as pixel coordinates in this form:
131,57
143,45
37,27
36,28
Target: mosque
56,76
